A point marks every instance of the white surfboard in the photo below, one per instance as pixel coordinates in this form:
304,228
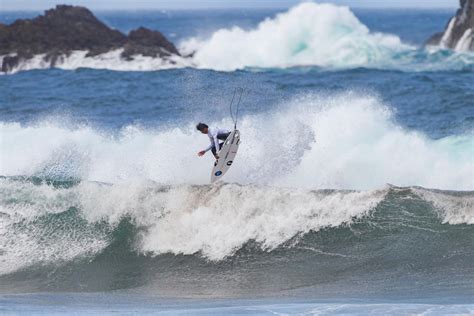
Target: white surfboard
226,156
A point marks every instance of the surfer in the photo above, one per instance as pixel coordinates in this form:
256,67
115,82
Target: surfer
214,134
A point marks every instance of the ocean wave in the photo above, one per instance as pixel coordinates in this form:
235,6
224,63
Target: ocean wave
325,35
342,141
309,34
44,223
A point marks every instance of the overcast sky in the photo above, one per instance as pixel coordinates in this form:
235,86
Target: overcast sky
203,4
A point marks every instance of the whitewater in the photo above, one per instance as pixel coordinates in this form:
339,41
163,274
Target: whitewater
312,142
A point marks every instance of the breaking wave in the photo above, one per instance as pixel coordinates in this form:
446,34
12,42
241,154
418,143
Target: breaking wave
308,34
312,34
175,219
53,222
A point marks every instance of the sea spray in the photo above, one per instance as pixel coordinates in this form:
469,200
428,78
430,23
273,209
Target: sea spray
308,34
340,141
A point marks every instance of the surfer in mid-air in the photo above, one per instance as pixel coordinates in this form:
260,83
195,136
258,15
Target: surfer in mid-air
214,134
229,145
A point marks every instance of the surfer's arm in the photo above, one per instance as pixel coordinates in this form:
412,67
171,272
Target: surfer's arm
215,152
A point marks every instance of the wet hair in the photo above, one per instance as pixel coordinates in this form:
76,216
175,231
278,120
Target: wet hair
201,126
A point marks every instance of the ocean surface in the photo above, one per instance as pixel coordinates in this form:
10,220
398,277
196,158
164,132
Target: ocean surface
352,192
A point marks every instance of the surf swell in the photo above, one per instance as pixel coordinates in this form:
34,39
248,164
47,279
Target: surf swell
309,34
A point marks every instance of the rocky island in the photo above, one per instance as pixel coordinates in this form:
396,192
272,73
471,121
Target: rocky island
65,29
459,32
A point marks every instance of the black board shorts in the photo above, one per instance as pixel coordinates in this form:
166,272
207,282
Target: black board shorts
220,137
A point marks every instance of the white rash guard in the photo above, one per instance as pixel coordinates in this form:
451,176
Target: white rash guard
212,134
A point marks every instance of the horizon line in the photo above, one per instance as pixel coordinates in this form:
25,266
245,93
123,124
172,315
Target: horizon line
231,8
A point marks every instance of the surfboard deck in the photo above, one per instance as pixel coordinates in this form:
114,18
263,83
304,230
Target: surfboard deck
226,156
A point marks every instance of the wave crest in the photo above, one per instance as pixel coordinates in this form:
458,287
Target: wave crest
49,224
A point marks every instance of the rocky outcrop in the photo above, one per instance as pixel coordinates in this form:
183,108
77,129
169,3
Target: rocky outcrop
70,28
459,32
150,43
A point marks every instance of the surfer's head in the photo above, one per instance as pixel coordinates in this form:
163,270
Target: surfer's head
203,128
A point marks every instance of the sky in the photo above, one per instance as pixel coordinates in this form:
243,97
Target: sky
8,5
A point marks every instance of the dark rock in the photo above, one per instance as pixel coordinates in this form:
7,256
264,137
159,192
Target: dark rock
62,29
9,63
67,28
460,28
148,43
434,39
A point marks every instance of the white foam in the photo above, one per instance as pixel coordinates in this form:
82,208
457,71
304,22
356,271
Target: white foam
113,61
454,208
36,62
344,141
465,41
313,34
24,240
218,221
212,220
308,34
445,41
357,141
110,60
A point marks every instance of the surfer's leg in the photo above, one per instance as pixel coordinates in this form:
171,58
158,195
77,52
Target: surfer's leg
223,136
214,151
